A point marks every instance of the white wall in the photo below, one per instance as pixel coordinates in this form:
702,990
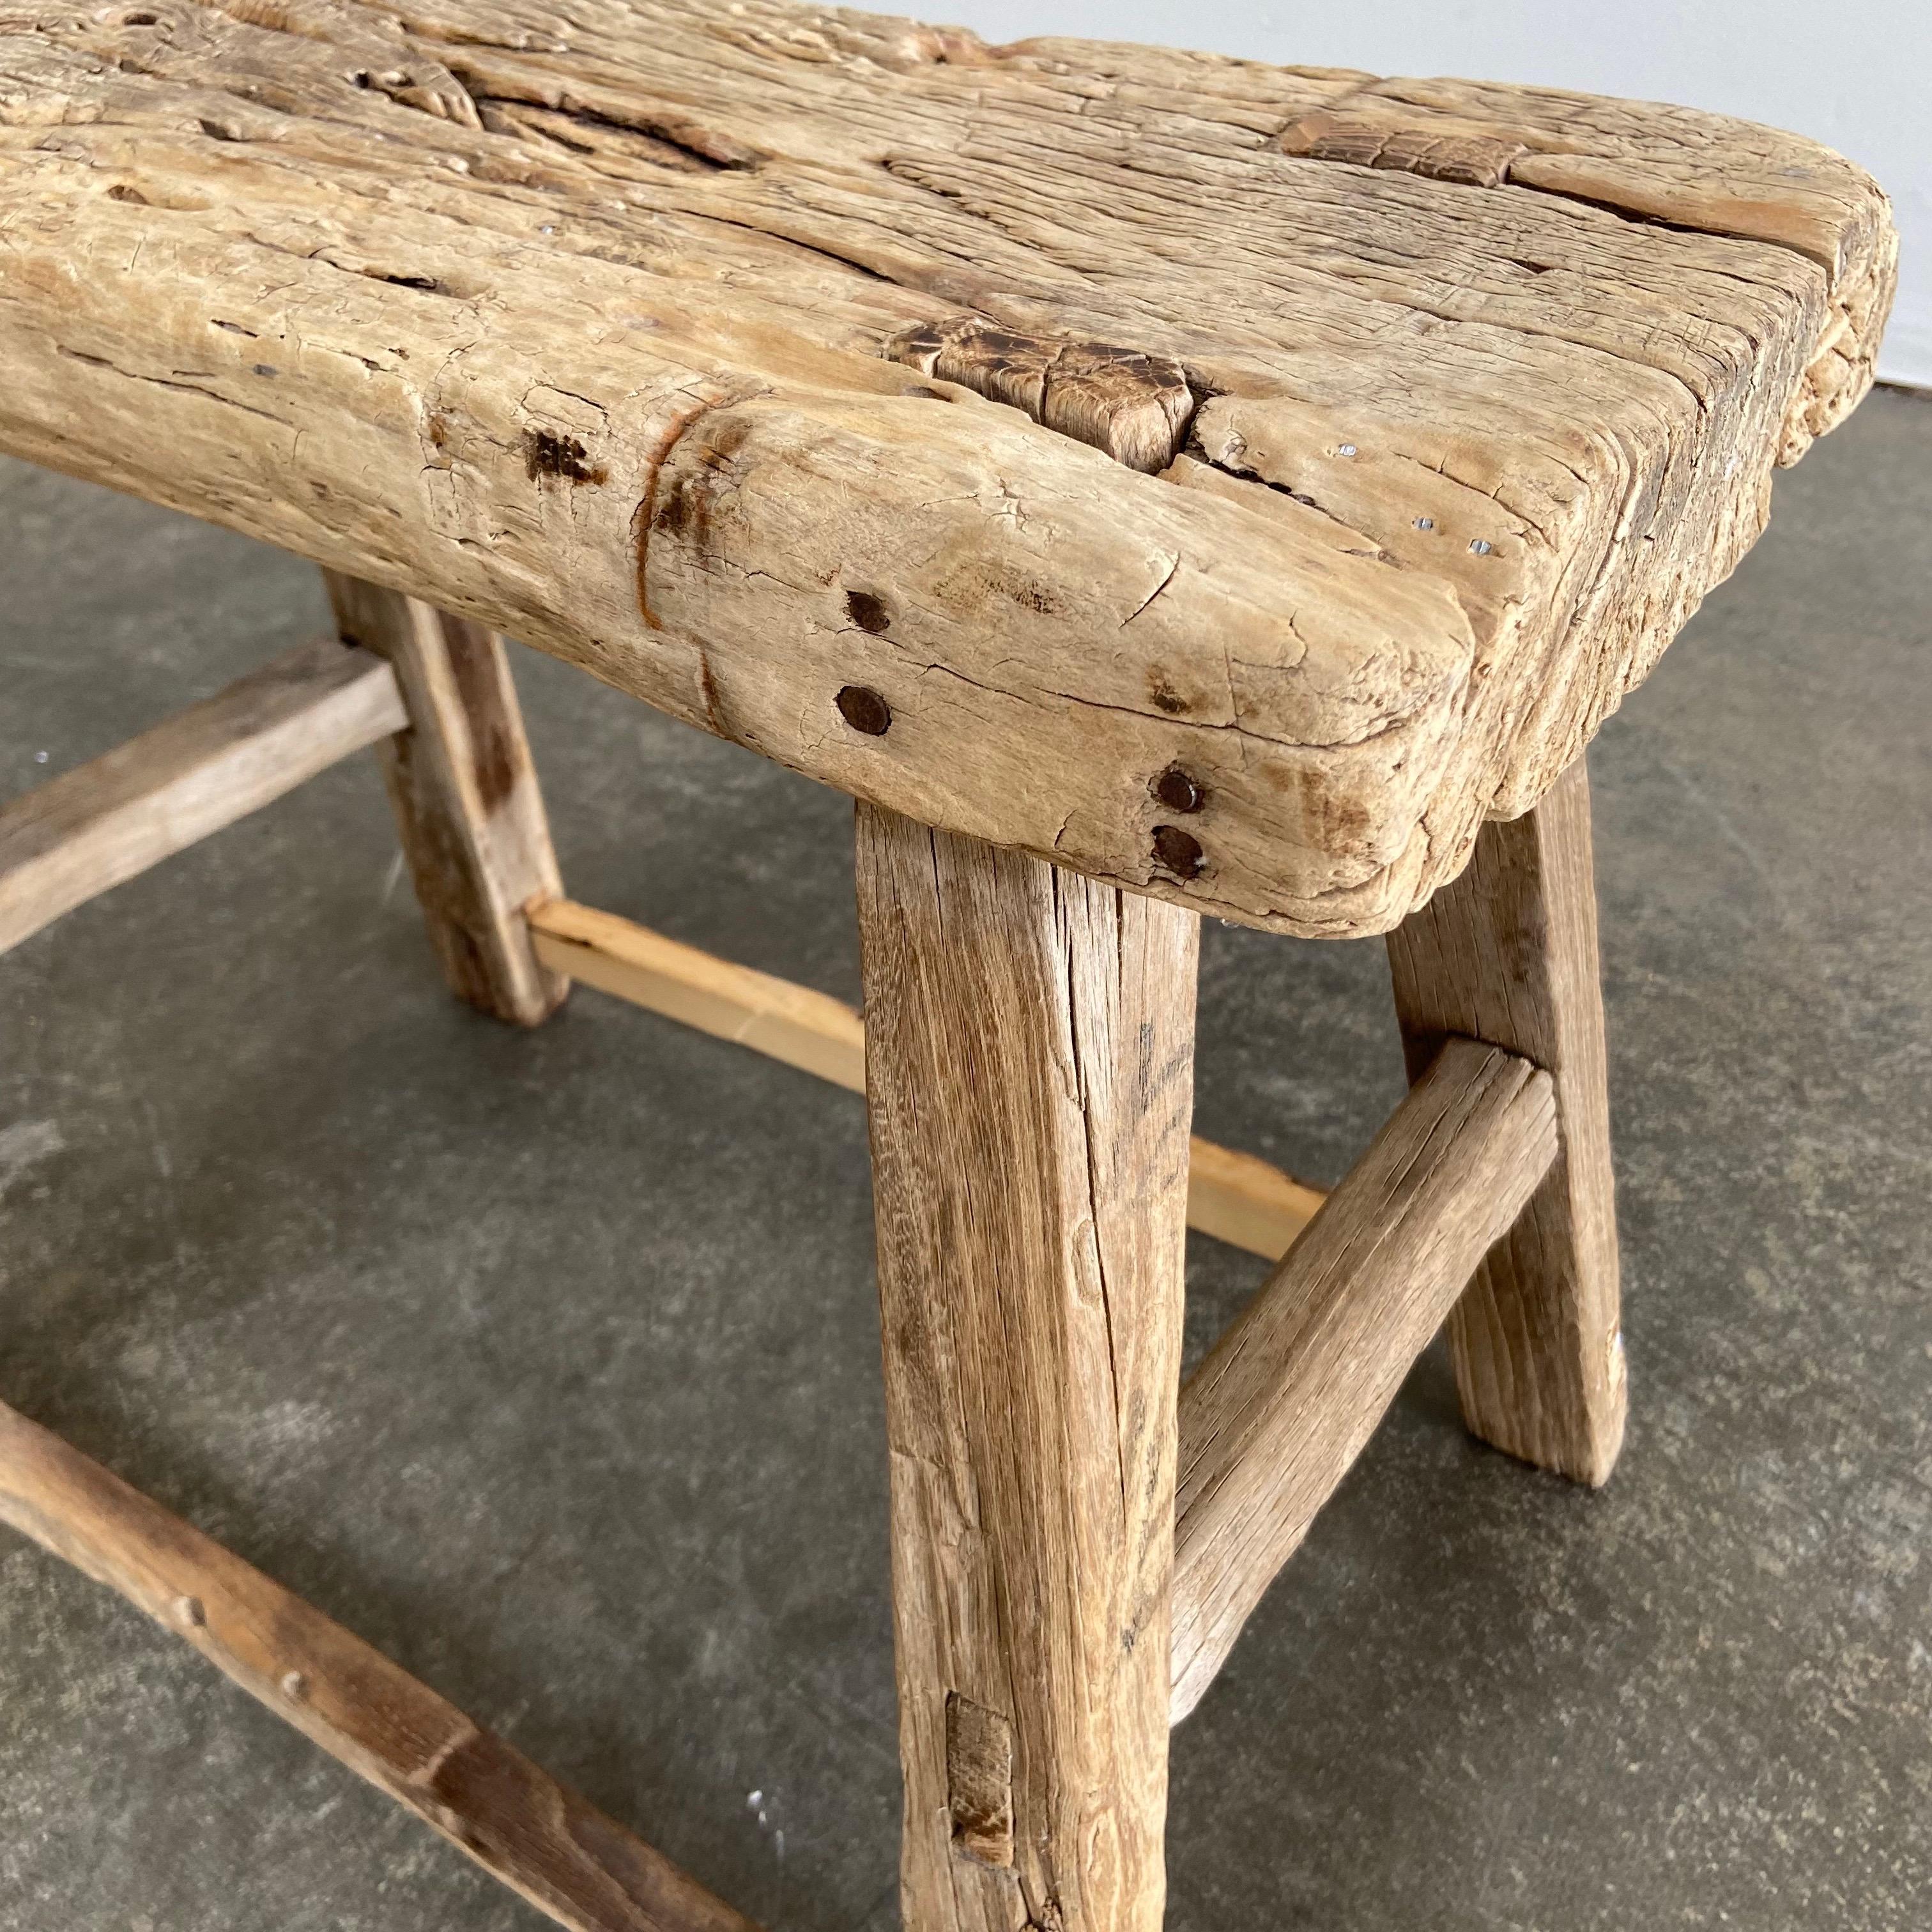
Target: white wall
1856,74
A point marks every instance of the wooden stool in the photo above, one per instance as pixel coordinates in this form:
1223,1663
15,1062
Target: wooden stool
1152,485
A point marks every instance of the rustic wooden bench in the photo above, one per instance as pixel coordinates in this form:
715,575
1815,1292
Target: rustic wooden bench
1152,485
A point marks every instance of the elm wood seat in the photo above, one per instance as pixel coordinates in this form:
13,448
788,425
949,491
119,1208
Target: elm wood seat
1151,484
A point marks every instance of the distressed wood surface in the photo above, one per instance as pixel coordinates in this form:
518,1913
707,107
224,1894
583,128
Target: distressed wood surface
1330,452
105,821
1507,954
1237,1198
468,808
1273,1418
1029,1064
579,1867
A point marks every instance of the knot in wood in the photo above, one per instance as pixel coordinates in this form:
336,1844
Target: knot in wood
1472,157
1135,406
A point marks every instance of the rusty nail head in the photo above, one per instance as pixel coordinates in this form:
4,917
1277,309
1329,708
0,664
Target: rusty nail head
1179,790
865,710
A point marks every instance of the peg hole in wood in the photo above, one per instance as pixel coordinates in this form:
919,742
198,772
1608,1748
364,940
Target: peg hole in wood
1180,852
868,612
865,710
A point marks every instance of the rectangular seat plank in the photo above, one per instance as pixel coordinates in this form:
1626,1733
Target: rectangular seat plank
1331,453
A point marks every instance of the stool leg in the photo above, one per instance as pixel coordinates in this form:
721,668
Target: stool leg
1507,954
1029,1055
465,791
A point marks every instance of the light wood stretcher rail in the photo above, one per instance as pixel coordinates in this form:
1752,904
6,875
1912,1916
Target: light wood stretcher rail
579,1867
1235,1197
110,819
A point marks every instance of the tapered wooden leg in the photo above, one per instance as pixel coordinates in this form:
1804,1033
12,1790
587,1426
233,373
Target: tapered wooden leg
1029,1064
465,791
1507,954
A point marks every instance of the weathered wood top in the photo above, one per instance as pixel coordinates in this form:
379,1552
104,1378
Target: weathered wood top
750,355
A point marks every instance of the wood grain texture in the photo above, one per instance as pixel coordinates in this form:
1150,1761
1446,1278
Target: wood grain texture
105,821
468,809
1508,954
590,330
1287,1397
1237,1198
1029,1064
582,1869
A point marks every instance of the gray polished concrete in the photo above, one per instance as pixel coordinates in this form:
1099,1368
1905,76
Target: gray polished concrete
548,1362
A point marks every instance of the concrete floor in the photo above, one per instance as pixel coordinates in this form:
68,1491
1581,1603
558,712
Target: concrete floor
548,1362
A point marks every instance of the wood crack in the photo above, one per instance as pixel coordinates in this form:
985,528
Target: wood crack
167,382
1360,545
669,142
